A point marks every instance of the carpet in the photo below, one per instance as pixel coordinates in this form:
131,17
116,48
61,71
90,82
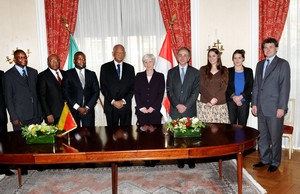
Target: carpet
165,179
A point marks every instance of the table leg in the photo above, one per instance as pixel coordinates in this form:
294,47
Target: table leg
220,168
239,171
19,177
114,176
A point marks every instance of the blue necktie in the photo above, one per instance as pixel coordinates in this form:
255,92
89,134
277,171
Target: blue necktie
266,67
24,75
119,71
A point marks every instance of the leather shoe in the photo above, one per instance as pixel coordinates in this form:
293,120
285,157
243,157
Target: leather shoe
147,164
191,164
259,165
180,164
272,168
24,171
154,162
6,171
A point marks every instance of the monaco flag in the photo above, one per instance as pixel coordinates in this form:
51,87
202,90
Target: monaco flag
164,63
66,120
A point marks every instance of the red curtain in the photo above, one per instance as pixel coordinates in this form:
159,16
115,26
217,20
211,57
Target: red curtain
58,39
181,28
272,17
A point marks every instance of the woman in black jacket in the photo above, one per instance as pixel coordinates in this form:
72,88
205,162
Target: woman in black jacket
238,94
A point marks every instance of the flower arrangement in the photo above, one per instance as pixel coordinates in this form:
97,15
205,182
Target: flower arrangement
42,133
185,126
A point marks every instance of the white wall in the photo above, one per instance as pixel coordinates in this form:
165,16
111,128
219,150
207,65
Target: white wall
18,29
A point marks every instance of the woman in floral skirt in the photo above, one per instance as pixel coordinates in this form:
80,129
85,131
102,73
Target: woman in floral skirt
212,107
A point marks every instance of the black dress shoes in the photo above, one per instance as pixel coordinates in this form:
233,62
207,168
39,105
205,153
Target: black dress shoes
180,163
24,171
6,171
151,163
272,168
259,165
191,163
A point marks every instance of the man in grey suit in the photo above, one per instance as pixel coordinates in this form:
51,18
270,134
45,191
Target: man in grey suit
270,103
19,85
183,90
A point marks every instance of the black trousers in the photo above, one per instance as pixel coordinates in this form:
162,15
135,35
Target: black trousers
238,114
118,117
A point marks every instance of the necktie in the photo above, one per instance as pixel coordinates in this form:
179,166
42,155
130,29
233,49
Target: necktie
182,75
119,71
24,75
266,67
58,78
81,77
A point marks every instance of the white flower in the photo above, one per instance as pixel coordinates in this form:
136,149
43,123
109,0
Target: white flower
195,120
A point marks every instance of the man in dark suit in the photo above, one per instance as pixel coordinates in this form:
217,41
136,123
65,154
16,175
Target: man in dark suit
50,91
3,124
20,93
81,91
270,97
183,90
117,87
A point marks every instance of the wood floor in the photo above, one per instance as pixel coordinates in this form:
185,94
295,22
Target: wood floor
285,180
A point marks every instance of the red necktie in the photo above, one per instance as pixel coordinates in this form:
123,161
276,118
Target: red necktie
58,78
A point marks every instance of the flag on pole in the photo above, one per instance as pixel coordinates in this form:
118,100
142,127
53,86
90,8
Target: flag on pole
72,50
66,121
164,63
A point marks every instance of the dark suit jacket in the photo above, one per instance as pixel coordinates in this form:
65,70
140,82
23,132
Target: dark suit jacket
149,94
113,88
248,74
272,92
186,93
3,115
73,91
50,94
21,98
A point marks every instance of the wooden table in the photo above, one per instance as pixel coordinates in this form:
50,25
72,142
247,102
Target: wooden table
130,143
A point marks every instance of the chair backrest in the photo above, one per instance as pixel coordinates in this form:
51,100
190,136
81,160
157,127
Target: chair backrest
290,116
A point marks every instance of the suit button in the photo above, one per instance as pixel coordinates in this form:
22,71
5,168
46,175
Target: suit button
181,92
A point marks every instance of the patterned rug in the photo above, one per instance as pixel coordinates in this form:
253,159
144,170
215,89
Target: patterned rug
165,179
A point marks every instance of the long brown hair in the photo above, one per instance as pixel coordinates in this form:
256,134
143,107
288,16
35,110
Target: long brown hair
209,65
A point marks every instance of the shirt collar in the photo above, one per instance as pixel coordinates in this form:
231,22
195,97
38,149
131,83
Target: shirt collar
271,59
20,69
116,63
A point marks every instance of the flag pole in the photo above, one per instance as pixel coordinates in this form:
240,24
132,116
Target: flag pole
64,21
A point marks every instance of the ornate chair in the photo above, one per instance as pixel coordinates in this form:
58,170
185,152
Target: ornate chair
288,126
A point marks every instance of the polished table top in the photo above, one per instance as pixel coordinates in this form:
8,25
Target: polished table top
134,142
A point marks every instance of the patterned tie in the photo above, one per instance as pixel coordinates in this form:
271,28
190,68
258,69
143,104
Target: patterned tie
266,67
81,77
24,75
119,71
182,75
58,78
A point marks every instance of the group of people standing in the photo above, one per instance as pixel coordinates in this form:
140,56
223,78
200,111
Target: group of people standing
225,93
